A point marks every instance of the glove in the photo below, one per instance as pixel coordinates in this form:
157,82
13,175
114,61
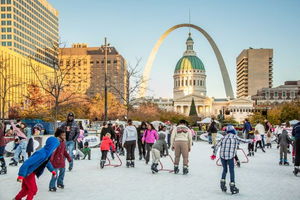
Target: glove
54,173
20,179
213,157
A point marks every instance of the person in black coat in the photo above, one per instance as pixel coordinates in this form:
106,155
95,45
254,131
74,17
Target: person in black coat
140,131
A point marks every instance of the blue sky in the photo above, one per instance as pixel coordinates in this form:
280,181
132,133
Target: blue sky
133,27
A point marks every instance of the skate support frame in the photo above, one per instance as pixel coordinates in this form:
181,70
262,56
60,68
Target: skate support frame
162,167
218,163
109,164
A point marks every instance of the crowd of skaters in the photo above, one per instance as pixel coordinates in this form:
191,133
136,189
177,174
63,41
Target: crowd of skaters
123,140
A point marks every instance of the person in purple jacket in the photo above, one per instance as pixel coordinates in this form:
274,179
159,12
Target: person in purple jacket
149,138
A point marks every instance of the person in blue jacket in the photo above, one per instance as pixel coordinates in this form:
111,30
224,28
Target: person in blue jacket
35,166
296,136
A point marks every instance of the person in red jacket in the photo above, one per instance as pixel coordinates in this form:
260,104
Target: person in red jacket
105,147
58,161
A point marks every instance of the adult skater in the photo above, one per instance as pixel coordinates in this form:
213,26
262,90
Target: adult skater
247,130
261,130
213,130
149,138
296,135
72,131
129,142
228,146
140,131
181,142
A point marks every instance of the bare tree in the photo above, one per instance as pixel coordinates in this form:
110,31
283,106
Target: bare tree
8,81
56,84
132,86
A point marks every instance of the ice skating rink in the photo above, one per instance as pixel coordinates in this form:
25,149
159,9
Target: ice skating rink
261,178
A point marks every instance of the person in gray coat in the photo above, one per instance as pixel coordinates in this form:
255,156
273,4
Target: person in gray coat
160,148
283,142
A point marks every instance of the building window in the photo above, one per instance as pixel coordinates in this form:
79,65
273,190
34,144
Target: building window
200,82
8,16
8,8
191,82
3,44
284,94
276,94
2,8
3,37
194,82
186,82
8,23
9,44
3,16
8,30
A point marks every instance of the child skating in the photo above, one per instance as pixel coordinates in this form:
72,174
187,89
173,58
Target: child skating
105,146
160,148
58,161
34,166
228,146
283,142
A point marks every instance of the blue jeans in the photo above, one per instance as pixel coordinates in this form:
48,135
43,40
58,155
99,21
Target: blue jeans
60,174
70,147
230,163
263,140
209,139
21,149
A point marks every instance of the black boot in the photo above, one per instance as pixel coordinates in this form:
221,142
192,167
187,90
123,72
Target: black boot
233,189
286,163
127,163
185,170
13,163
153,168
3,170
223,185
102,163
252,153
238,163
176,169
61,186
296,171
249,154
52,189
280,162
141,157
132,163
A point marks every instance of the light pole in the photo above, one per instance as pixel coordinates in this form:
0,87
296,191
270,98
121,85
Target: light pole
105,78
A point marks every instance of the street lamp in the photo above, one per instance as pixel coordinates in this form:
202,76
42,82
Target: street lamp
105,48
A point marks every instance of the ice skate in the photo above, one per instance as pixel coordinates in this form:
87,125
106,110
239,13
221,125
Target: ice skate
141,157
296,171
154,168
185,170
52,189
233,188
61,186
13,163
3,170
132,163
176,169
238,163
286,163
249,154
223,185
252,153
70,168
280,162
127,163
102,163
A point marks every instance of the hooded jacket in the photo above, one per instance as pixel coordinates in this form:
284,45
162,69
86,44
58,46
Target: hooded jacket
59,155
109,130
161,144
40,159
150,136
2,134
284,139
130,134
106,144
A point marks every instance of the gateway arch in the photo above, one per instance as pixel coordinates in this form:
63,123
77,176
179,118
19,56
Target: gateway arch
148,67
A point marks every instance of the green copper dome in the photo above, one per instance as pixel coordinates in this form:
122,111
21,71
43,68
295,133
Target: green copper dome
189,62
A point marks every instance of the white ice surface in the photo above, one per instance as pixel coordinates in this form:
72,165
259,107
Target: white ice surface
261,178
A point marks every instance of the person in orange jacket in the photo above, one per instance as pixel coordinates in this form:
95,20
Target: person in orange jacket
105,147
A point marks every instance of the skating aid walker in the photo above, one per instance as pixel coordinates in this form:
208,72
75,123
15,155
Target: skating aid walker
167,170
109,164
218,162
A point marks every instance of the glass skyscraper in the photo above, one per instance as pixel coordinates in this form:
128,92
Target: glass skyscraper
30,27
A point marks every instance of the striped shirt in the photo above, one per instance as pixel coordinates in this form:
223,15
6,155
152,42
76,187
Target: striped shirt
228,145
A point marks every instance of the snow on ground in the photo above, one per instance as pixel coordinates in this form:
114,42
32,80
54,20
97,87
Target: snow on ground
261,178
